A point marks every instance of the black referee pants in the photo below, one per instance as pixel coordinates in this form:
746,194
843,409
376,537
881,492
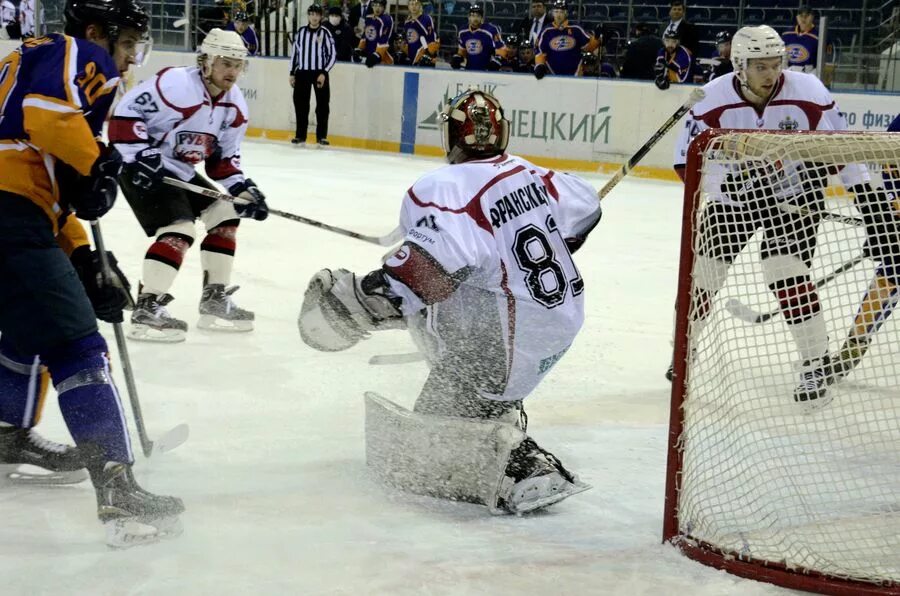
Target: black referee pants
303,81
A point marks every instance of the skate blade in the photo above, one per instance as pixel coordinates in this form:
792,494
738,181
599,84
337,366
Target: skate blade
214,323
24,477
536,504
139,332
139,531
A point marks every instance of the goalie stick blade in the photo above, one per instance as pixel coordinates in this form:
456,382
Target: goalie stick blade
172,439
741,311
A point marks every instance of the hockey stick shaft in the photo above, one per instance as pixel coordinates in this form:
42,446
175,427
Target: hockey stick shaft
696,95
754,317
146,443
386,240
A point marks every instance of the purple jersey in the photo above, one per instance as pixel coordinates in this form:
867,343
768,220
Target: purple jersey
377,33
478,46
419,34
560,48
494,30
678,65
251,40
802,48
890,174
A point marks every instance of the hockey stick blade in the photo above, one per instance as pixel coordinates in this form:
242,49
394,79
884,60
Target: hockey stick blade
380,359
741,311
173,439
179,23
386,240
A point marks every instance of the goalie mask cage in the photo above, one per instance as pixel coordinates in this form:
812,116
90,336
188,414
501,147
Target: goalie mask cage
755,485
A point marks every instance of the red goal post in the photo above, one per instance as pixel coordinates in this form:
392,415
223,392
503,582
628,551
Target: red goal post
809,501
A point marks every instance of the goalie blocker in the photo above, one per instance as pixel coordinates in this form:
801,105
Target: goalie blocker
486,284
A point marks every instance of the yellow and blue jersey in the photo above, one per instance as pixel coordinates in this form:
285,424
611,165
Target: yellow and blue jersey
55,93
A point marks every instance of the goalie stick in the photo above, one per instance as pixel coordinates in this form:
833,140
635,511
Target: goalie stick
696,95
386,240
175,436
743,312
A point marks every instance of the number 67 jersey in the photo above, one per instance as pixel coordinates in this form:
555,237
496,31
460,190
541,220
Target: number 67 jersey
488,257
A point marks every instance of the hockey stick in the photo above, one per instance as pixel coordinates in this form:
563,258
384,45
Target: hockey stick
386,240
177,435
743,312
379,359
696,95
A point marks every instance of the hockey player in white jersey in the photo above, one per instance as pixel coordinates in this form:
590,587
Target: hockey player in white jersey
761,95
486,282
165,127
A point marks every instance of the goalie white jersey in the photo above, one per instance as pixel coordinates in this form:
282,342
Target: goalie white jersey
800,102
174,111
488,254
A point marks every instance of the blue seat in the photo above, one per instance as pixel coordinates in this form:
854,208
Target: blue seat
618,13
755,16
723,14
596,12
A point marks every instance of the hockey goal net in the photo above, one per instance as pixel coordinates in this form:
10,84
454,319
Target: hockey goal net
757,484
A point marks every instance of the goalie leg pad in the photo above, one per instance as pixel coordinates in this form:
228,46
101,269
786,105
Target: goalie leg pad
440,456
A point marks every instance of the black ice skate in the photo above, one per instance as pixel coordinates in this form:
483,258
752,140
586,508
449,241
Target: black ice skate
131,515
812,392
60,464
535,479
150,321
218,311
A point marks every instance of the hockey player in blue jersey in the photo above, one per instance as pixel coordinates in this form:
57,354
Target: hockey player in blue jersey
56,92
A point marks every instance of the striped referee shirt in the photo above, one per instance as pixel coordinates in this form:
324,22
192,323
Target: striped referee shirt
313,50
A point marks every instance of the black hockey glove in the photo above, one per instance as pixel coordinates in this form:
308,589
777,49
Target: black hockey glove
426,61
108,297
495,64
540,71
357,56
662,82
752,182
456,62
249,200
96,193
373,59
146,172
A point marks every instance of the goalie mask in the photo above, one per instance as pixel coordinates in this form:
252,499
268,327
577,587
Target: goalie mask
473,126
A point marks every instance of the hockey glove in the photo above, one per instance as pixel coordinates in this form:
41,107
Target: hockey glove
357,55
426,61
494,65
146,172
96,193
249,201
108,297
540,71
373,59
662,82
456,62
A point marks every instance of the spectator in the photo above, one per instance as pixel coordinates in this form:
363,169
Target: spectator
722,60
374,47
421,37
560,47
400,50
344,39
10,28
530,28
240,24
313,54
673,63
802,43
594,66
359,12
476,45
641,53
686,31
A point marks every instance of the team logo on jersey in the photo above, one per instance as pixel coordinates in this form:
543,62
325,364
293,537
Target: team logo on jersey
788,124
797,53
562,43
412,36
371,34
474,46
140,129
193,147
399,257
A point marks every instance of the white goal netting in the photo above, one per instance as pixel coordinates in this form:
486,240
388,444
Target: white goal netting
771,470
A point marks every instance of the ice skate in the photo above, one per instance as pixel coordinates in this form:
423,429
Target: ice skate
58,463
535,479
150,320
218,312
850,356
812,392
131,515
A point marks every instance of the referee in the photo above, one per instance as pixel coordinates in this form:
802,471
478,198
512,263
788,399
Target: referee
312,58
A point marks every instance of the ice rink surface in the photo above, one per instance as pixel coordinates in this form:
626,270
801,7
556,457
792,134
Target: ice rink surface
273,476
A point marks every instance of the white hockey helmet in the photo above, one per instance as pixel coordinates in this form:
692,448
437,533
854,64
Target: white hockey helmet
222,44
756,42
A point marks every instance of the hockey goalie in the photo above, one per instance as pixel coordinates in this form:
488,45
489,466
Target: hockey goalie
486,284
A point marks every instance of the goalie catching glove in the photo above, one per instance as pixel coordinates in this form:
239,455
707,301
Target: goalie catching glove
341,308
